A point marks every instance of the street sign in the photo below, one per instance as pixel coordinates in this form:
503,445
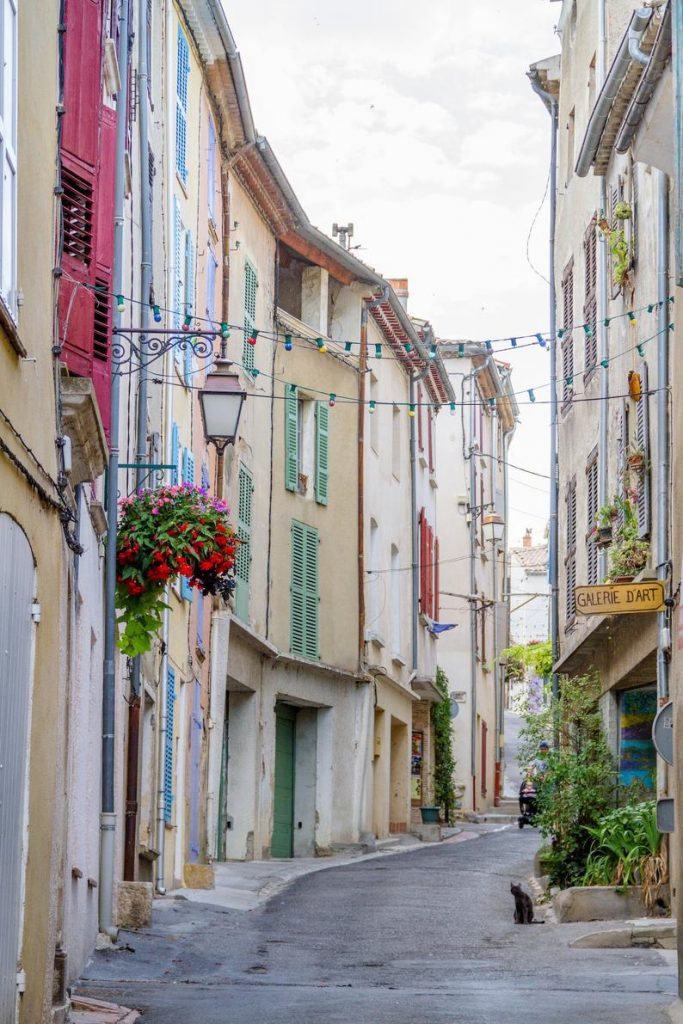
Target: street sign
620,598
663,733
665,815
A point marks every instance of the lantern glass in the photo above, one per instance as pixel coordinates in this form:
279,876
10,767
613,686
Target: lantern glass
494,528
221,400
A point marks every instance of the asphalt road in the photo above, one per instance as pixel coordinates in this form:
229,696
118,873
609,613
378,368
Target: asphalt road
405,939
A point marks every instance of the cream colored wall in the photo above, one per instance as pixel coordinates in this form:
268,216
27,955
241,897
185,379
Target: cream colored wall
25,387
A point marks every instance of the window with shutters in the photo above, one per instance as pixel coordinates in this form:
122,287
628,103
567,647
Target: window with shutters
77,217
243,552
291,407
567,347
591,515
322,451
102,330
182,76
622,449
168,746
304,589
428,573
188,478
615,195
8,156
178,269
570,555
590,303
188,304
642,442
250,287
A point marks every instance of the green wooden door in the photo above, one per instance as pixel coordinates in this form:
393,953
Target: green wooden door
282,844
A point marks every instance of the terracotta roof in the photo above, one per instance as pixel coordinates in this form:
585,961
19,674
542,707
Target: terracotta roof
535,558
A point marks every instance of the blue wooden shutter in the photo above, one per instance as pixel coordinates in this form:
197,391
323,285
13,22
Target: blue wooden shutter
211,269
175,453
291,437
188,478
243,553
322,434
304,590
250,286
182,75
168,747
177,268
188,354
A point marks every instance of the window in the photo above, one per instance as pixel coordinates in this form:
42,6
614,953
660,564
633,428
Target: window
305,600
591,515
616,195
182,75
428,576
396,642
168,746
567,347
250,286
322,450
188,354
188,478
642,441
211,271
291,437
570,555
396,442
571,133
178,267
590,305
243,553
307,451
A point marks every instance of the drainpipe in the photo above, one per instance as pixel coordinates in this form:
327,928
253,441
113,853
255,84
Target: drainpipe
362,367
662,553
414,539
107,813
550,103
494,581
132,756
677,65
473,597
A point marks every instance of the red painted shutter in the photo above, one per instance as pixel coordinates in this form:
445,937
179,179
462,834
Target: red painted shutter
82,79
430,438
423,560
104,248
105,191
430,572
437,592
420,440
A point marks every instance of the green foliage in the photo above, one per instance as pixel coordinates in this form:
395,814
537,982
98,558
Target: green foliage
629,554
578,787
627,849
535,657
444,766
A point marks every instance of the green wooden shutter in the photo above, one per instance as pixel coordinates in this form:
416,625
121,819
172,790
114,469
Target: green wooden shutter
305,612
322,436
243,554
291,437
250,286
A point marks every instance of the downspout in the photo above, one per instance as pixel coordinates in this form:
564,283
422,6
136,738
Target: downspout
414,539
551,105
494,581
108,812
362,366
133,752
663,497
473,598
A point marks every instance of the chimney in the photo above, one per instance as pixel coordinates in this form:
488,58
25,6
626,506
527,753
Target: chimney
400,286
526,539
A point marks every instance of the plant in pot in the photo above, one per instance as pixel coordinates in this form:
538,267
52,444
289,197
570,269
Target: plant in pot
164,534
604,523
629,552
635,458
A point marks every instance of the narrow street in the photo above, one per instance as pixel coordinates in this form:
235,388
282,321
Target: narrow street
426,936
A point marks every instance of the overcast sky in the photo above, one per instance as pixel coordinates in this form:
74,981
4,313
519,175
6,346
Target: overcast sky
416,122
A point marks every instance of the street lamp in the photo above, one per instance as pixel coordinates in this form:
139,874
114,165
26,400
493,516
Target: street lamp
494,527
221,401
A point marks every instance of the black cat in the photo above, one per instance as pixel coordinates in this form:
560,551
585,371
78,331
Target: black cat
524,907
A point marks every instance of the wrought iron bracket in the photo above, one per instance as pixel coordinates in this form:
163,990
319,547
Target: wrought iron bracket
142,346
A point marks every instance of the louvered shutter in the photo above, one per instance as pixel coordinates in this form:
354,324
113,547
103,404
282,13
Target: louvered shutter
178,261
250,286
188,478
182,75
322,451
422,536
305,610
643,441
567,335
311,596
188,354
243,553
168,746
175,454
570,558
291,437
622,447
429,572
591,514
590,308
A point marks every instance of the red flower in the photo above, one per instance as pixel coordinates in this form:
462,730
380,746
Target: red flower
134,588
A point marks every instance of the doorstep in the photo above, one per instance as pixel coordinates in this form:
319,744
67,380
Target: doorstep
642,934
94,1011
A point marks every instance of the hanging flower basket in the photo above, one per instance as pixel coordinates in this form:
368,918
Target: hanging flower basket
163,534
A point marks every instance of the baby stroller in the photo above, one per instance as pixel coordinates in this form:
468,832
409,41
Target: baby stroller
527,803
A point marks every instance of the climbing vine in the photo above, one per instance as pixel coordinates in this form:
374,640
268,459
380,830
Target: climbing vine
444,761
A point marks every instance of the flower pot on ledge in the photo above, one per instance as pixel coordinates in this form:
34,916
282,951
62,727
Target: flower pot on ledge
603,536
429,815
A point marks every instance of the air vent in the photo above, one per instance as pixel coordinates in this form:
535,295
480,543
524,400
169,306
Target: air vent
102,326
77,216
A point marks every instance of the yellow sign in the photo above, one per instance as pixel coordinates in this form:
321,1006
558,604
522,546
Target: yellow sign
620,598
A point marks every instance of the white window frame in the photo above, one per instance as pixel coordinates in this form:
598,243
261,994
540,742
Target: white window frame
8,156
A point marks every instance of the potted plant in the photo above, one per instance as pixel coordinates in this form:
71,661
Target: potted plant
604,524
635,458
163,534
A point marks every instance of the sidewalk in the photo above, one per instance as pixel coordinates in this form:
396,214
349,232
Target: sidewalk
94,1011
245,885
